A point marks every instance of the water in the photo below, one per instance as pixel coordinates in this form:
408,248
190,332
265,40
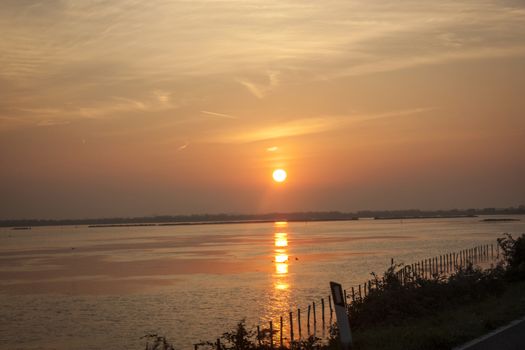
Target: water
95,288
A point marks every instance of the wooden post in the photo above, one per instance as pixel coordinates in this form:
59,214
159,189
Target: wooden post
271,334
281,330
346,298
259,336
360,297
308,323
330,304
218,344
364,288
353,295
315,316
195,346
299,322
492,250
291,327
322,311
441,264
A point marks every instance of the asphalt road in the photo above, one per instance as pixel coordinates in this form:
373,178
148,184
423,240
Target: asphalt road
510,337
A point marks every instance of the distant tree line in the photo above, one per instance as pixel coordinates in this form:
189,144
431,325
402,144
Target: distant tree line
297,216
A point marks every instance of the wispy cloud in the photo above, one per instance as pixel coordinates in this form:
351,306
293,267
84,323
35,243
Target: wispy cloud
393,64
219,115
308,126
183,147
260,90
151,55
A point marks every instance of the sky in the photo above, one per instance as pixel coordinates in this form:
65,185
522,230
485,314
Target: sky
166,107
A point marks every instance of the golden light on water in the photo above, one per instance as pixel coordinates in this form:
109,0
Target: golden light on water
281,240
281,286
279,297
281,268
281,258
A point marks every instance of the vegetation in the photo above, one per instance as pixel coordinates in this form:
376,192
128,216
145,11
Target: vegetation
435,313
235,218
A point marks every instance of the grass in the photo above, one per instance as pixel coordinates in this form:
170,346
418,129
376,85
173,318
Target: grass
447,328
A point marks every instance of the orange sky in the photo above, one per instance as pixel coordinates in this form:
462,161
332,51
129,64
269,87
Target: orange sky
172,107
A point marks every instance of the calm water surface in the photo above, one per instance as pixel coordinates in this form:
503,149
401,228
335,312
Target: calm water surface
94,288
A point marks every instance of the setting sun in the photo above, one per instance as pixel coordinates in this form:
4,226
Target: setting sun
279,175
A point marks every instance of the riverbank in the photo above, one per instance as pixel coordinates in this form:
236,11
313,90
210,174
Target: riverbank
447,328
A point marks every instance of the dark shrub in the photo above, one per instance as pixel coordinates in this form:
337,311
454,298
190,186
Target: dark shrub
514,255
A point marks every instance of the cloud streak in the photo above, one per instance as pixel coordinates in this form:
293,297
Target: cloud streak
219,115
308,126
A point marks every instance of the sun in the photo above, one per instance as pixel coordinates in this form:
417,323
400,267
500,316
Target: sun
279,175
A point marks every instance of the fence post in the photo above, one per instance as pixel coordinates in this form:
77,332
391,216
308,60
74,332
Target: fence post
271,334
259,336
308,323
291,327
315,316
218,344
299,322
281,329
322,310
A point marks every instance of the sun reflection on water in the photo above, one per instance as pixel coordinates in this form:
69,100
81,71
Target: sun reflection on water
279,293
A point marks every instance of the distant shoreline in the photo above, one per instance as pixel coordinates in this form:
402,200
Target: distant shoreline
218,219
269,221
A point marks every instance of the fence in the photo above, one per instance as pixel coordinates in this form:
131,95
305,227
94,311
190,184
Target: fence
434,267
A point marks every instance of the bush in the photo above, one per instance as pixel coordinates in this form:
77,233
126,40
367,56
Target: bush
514,256
392,302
